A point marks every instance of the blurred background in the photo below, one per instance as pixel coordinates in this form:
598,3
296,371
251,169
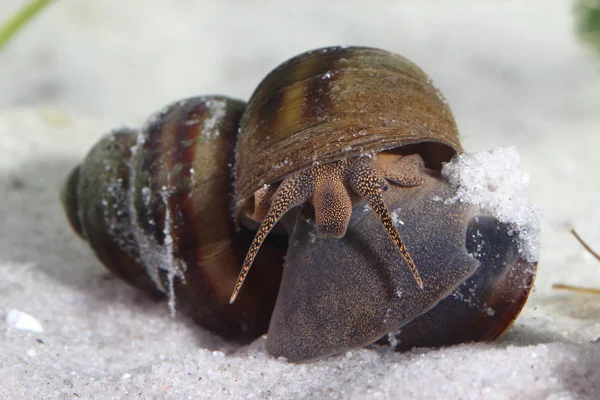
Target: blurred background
119,60
522,73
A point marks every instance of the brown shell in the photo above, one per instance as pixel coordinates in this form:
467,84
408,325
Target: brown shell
182,186
96,203
334,103
155,207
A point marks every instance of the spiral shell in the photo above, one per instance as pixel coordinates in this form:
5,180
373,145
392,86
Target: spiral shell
154,206
328,182
339,102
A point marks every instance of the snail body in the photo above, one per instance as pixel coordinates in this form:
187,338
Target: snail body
211,185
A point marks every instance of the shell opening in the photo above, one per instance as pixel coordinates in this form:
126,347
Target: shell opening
330,186
434,154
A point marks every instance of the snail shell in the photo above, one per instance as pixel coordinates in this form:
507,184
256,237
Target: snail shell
154,206
335,103
324,135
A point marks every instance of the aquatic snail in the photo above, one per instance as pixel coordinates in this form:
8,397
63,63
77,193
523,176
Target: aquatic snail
327,182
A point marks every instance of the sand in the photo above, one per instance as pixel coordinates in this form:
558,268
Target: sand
514,75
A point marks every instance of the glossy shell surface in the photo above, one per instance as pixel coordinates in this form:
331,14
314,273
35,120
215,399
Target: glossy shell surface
335,103
154,206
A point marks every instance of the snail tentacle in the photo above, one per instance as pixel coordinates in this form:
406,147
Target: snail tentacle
328,185
292,192
366,181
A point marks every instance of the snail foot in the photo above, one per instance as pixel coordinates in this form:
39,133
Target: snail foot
330,186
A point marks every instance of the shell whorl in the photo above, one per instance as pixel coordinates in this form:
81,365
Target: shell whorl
335,103
155,206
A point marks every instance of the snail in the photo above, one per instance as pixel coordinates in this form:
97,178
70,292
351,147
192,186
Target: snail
312,213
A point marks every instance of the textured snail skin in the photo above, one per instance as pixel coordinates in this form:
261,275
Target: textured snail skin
359,288
173,209
335,105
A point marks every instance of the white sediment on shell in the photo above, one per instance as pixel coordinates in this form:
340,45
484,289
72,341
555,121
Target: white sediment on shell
159,114
494,181
217,110
170,264
281,164
154,257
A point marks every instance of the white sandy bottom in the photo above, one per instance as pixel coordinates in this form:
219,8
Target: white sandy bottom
510,80
102,338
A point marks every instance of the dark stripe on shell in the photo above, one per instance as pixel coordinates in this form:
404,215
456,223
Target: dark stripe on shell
318,100
337,103
266,115
187,245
